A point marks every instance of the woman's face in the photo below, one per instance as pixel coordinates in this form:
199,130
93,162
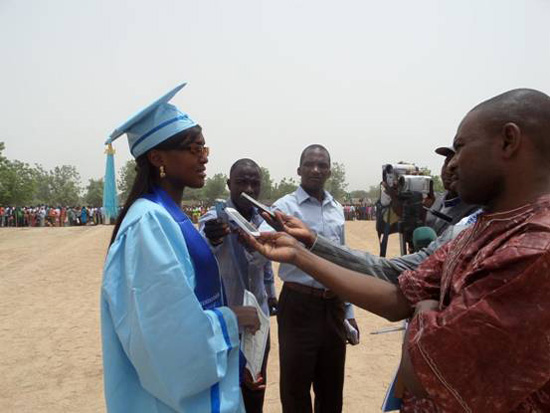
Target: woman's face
186,167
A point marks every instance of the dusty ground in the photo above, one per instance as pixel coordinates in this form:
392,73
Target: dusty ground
50,348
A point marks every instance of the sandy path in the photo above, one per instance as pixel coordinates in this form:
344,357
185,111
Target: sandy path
50,347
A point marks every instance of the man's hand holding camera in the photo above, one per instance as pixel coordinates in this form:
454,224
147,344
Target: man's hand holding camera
216,230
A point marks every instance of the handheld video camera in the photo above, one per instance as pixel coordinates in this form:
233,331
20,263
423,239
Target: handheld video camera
410,189
406,179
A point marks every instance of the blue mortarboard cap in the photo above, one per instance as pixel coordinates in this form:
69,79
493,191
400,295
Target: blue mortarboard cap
153,125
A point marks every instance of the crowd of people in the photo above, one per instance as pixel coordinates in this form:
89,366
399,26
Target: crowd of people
359,211
175,300
49,216
195,211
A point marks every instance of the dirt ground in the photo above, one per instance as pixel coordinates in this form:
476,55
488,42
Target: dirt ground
50,347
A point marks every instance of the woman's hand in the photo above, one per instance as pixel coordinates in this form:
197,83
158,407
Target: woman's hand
292,226
247,318
276,246
250,383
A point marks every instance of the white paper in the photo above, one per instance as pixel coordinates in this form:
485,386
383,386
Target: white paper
253,345
351,333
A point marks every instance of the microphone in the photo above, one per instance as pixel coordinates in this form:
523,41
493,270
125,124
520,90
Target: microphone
440,215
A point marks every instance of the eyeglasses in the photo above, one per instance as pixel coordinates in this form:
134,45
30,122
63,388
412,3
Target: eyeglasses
198,150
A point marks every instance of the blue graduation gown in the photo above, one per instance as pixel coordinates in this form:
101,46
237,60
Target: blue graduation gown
162,351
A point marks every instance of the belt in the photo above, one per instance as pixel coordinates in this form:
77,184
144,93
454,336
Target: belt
315,292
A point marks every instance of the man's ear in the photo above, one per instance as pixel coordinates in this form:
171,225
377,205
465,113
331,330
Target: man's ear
329,174
228,182
156,157
299,171
511,140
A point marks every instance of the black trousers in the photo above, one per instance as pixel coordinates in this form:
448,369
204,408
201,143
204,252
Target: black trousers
312,351
254,399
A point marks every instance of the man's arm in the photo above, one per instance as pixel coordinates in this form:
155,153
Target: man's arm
374,295
355,260
384,268
363,262
349,311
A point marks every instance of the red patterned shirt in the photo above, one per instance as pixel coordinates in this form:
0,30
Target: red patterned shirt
487,348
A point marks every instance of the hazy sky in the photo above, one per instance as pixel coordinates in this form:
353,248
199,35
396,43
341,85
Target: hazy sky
374,81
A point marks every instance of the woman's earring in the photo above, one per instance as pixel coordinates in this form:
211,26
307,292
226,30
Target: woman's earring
162,171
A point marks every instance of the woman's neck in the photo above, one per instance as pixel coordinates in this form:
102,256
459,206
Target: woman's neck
175,193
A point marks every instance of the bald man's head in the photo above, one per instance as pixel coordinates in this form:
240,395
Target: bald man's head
501,145
529,109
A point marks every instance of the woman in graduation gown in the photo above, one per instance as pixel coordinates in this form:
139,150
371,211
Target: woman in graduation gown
169,341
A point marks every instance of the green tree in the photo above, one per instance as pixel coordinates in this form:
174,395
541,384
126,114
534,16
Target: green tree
424,170
65,185
21,184
94,193
43,193
286,186
438,184
17,183
215,187
370,195
358,194
193,194
3,176
373,193
336,184
267,185
126,177
2,149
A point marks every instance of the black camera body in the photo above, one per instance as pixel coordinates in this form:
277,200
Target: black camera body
392,172
410,188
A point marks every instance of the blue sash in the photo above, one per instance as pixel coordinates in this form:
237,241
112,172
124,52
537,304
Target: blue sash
209,288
